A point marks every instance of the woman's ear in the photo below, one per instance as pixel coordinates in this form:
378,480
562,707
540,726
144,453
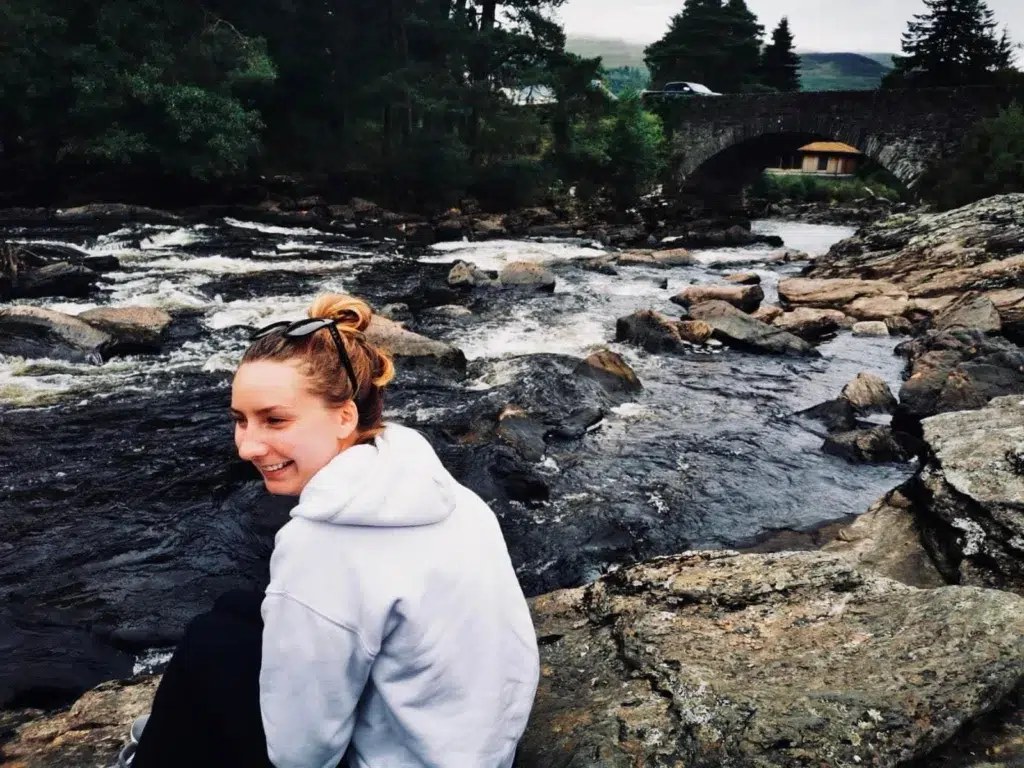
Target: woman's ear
348,420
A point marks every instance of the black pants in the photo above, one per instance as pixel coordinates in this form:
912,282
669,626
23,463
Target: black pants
207,708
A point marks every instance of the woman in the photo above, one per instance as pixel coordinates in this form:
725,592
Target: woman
394,632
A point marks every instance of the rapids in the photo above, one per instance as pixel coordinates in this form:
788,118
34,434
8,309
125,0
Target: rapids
124,512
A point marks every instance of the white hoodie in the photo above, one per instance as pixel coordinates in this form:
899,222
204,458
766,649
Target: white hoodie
394,626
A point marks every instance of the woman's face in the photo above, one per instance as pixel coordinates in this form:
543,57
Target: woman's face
287,432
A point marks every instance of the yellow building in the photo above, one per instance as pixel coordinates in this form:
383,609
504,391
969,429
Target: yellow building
820,158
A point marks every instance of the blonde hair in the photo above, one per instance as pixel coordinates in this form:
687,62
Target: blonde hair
327,376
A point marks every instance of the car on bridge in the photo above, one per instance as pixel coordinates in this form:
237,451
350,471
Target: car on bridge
677,89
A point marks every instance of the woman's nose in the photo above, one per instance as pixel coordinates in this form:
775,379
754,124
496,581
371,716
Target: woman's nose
250,447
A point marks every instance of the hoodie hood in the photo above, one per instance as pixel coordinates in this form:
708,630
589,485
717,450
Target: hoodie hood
396,482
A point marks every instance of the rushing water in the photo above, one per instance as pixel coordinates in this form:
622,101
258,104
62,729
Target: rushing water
124,512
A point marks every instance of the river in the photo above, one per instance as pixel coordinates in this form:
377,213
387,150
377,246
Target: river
124,512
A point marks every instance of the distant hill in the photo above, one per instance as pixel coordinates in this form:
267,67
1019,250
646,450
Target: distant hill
819,71
842,71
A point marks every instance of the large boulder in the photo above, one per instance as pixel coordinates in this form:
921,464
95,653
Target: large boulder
467,274
610,370
673,257
873,444
651,330
33,332
868,393
412,348
972,312
60,279
116,212
744,297
527,274
787,660
956,371
810,324
135,330
843,295
736,328
972,494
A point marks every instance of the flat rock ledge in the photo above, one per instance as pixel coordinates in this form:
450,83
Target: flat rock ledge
709,659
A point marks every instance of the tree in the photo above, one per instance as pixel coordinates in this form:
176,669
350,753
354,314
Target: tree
635,152
711,43
955,43
780,66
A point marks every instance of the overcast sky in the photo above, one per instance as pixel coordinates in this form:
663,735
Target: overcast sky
820,25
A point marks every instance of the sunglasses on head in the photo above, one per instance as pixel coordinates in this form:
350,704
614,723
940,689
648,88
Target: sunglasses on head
300,329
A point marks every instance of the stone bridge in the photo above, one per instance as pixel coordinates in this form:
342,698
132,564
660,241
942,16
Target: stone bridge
720,143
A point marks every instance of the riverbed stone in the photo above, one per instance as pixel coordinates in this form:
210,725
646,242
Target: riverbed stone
59,279
744,297
743,278
135,330
411,348
651,330
695,331
34,332
835,294
868,393
873,445
812,324
791,659
527,274
767,313
877,307
870,328
972,311
972,492
118,212
466,273
736,328
611,370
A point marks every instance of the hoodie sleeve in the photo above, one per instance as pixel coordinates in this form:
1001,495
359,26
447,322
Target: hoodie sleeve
312,675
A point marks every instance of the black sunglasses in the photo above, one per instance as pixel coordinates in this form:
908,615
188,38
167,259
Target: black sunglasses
302,328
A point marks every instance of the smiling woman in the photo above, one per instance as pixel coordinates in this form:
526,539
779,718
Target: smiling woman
393,629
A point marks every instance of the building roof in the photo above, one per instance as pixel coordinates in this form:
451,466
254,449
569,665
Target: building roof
833,147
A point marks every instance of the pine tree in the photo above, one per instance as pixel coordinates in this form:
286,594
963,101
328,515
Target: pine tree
780,66
741,47
955,43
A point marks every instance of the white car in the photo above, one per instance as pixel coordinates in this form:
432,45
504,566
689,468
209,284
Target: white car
682,89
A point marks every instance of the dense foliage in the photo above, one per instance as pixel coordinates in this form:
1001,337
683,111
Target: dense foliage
412,101
990,163
622,80
780,66
957,42
808,189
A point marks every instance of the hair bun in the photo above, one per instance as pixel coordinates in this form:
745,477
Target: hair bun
348,312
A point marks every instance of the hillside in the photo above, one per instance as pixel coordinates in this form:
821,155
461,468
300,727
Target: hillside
614,53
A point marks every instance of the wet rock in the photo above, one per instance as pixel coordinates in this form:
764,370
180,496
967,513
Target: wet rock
101,263
695,331
972,311
610,370
485,227
836,415
874,445
517,222
60,279
526,274
576,426
451,229
135,330
116,212
811,324
448,311
877,307
739,329
971,494
886,541
791,659
523,433
870,328
899,326
14,262
398,311
957,371
604,265
33,332
411,348
768,314
674,257
840,294
744,297
464,273
868,393
744,278
651,330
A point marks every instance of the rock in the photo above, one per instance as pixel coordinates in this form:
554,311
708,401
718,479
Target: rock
14,262
744,278
811,324
695,331
608,368
118,212
874,445
102,263
33,332
399,312
450,229
576,426
522,433
411,348
877,307
768,313
871,328
835,294
972,311
448,311
89,734
1010,305
744,297
651,330
886,541
957,371
135,330
60,279
527,274
604,265
787,660
836,415
868,393
464,273
674,257
899,326
738,329
971,494
484,227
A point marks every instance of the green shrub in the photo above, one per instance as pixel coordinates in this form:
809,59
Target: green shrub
515,183
807,189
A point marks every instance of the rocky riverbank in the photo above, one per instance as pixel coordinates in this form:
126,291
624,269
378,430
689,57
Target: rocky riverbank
903,641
